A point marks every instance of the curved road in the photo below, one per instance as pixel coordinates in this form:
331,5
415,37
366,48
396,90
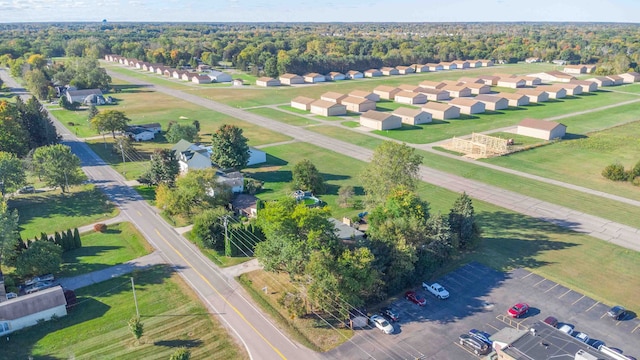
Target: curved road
620,234
223,296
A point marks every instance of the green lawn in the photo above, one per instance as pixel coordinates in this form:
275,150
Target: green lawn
217,257
136,162
283,117
146,76
97,327
581,161
75,121
118,244
52,211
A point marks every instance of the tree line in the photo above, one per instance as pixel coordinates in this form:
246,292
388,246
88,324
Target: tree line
273,49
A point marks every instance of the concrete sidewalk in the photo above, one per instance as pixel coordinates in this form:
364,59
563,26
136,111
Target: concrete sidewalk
95,277
245,267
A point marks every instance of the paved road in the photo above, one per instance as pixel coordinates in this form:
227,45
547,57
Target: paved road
224,297
600,228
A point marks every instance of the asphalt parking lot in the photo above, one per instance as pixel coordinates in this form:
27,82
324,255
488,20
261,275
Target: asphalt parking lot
479,299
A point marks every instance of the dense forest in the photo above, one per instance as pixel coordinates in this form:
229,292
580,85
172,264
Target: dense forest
275,48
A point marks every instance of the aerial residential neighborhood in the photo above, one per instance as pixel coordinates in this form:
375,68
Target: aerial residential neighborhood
251,183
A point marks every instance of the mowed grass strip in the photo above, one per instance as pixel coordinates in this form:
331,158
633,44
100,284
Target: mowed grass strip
118,244
50,211
97,327
284,117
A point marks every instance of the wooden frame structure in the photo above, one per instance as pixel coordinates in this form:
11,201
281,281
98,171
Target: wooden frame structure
480,146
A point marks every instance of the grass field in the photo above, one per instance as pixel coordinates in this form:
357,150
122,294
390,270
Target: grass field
97,327
136,162
52,211
283,117
248,97
217,257
581,161
118,244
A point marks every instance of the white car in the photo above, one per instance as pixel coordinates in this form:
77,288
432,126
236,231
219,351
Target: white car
382,324
437,290
582,337
567,329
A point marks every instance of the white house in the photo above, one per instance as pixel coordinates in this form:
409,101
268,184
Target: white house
79,96
191,156
140,134
24,311
541,129
234,180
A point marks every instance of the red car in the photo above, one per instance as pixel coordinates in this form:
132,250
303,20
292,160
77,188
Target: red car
415,298
518,310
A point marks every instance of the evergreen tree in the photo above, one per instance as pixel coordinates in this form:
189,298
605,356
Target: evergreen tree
43,237
76,239
69,239
93,111
57,239
465,230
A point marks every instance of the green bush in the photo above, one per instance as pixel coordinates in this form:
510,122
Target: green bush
615,172
635,171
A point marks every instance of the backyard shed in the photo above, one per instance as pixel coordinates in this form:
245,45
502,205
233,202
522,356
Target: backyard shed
380,120
540,129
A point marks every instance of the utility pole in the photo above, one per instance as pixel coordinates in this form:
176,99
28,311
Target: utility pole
122,151
134,298
227,243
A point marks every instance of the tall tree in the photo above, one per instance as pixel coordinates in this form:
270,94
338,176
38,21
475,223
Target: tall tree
164,168
306,177
35,120
392,165
179,132
110,120
464,228
194,192
93,111
12,173
208,227
229,148
58,166
42,257
37,83
8,233
13,137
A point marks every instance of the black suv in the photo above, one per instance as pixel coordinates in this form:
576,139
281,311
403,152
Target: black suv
617,312
473,344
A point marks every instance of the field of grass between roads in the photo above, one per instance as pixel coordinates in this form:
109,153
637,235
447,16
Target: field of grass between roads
52,211
118,244
97,328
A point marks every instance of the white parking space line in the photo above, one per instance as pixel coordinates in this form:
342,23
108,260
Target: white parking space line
634,329
603,315
568,291
495,328
539,282
575,302
526,276
551,287
592,306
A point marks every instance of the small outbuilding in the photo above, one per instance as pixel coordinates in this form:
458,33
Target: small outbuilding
491,80
412,116
457,91
357,104
335,76
448,65
486,63
404,70
468,106
554,75
327,108
428,84
388,71
313,78
575,69
332,96
386,92
441,111
601,81
29,310
587,86
365,95
462,64
372,73
219,76
434,67
572,88
420,68
530,80
512,83
554,91
535,95
411,98
616,79
478,89
354,74
492,102
378,120
515,99
201,79
630,77
435,94
302,103
407,87
291,79
541,129
267,82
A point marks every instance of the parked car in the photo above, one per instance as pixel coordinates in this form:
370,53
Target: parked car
478,347
389,314
551,321
582,337
482,336
415,298
596,344
436,289
41,278
518,310
382,324
566,328
617,312
11,295
29,189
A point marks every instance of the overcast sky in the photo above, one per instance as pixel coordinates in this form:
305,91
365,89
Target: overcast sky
320,11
